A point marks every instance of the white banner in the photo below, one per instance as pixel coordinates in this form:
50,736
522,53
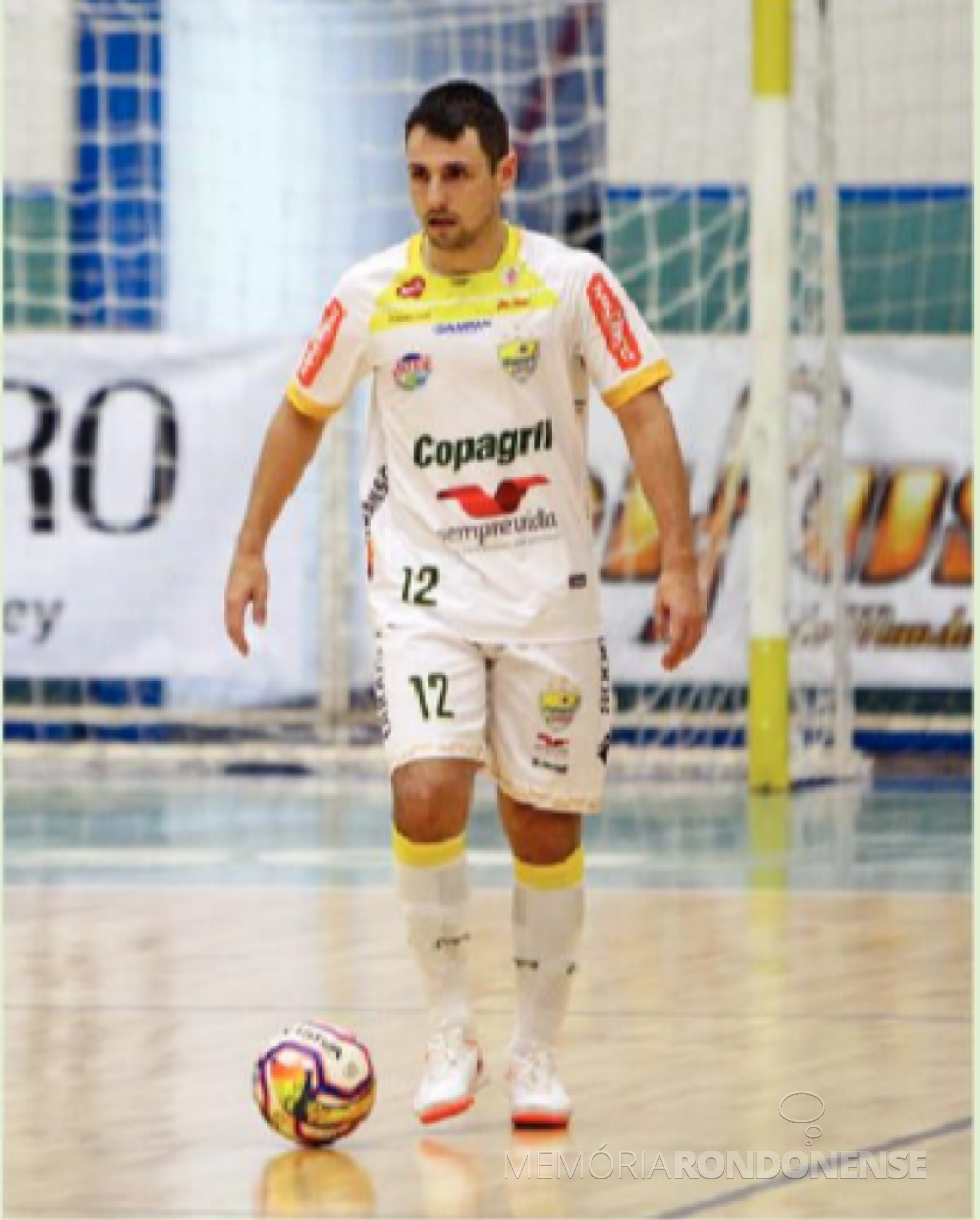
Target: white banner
909,488
128,462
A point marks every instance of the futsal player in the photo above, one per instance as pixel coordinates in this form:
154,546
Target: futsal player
481,340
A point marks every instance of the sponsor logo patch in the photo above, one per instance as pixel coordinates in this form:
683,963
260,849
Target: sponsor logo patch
610,316
412,289
509,304
559,704
518,530
507,499
551,753
470,326
321,345
519,358
413,370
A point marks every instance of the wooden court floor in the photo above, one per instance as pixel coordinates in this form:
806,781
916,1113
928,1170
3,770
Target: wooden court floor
138,991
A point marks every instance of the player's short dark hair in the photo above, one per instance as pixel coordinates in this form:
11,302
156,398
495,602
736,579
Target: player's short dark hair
448,109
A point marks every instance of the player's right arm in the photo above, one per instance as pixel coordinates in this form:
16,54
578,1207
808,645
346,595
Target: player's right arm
334,360
290,443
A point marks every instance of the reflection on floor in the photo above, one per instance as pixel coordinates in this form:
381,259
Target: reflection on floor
158,933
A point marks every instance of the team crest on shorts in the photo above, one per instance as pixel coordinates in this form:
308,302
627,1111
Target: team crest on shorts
413,370
559,704
520,358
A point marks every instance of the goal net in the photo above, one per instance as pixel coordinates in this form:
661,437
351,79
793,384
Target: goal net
185,179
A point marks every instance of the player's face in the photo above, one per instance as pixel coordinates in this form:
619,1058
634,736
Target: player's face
454,192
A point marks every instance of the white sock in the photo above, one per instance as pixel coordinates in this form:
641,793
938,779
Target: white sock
548,914
434,888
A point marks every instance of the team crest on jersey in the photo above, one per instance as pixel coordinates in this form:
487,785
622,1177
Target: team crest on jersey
559,704
511,275
520,358
413,370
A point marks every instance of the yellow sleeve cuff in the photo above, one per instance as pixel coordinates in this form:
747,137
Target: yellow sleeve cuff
306,405
646,379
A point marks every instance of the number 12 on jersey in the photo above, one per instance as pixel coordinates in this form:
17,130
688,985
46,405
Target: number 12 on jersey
439,685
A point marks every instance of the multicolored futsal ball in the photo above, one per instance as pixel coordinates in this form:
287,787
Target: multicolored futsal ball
314,1083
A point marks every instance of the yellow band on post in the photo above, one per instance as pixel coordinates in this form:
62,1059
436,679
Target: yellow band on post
772,48
769,715
560,876
426,855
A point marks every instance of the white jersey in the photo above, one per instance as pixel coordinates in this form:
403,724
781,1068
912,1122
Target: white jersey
476,490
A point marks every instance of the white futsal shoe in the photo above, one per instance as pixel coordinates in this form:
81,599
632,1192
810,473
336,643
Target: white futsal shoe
453,1074
537,1096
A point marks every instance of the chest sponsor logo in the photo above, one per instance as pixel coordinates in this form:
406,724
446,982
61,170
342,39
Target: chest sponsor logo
469,326
321,345
413,370
559,704
519,358
412,289
506,500
510,304
500,447
610,316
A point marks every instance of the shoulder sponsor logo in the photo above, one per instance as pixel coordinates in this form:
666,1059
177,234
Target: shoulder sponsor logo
519,358
412,289
610,316
413,370
468,326
559,704
321,345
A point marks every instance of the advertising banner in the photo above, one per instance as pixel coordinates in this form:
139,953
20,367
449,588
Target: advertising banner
129,458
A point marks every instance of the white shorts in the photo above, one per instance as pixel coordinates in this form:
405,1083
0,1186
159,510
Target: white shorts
536,715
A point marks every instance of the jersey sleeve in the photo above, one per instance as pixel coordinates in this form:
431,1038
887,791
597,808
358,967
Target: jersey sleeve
621,355
336,357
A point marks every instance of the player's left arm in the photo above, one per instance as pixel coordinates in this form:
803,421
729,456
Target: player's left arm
679,611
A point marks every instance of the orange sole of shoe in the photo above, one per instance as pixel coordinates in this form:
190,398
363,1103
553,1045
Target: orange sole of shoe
439,1113
551,1122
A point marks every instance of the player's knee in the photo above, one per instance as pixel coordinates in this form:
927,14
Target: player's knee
432,799
540,836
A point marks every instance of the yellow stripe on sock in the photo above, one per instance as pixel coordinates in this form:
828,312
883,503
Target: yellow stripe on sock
426,855
561,876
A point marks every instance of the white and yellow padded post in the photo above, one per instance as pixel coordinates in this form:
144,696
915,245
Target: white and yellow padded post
772,75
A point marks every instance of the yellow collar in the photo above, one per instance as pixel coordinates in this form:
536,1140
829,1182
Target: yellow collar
509,256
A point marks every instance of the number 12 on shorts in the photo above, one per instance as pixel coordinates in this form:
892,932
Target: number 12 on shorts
438,685
418,587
